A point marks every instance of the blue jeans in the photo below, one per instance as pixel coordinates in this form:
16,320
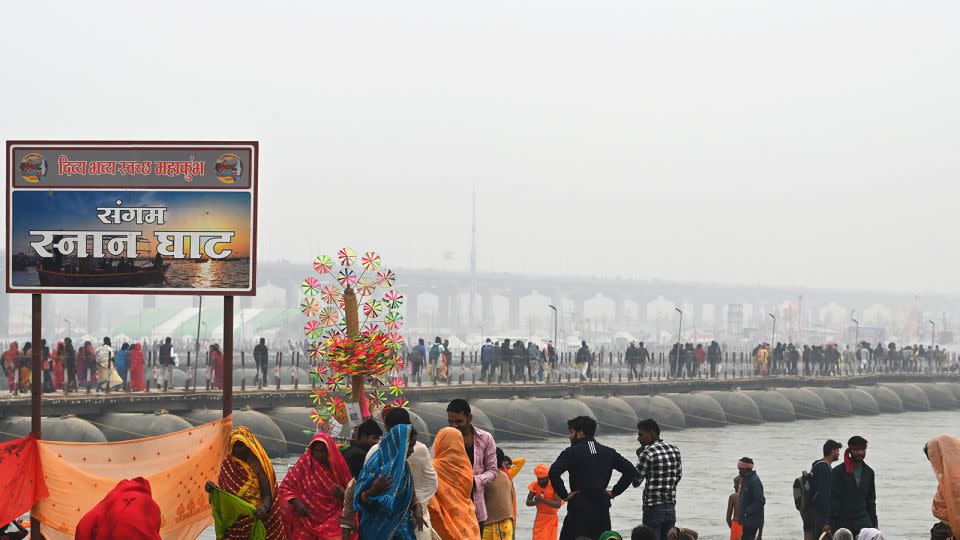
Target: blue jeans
661,518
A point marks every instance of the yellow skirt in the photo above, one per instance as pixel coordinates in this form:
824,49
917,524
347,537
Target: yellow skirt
501,530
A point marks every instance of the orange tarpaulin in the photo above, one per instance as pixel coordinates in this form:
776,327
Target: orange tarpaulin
21,478
177,465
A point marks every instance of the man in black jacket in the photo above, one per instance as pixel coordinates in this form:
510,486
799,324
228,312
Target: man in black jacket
853,504
752,500
590,465
260,355
368,434
818,513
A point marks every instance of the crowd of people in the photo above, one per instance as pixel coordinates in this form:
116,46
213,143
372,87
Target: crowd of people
386,484
105,367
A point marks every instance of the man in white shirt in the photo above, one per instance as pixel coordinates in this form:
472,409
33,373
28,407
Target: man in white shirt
421,469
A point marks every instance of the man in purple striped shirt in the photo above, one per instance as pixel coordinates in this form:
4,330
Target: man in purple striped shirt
481,449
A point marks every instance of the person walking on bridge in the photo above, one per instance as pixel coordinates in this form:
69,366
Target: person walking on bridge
583,358
260,358
166,361
590,466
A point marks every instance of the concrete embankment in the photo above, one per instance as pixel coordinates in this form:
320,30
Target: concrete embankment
511,412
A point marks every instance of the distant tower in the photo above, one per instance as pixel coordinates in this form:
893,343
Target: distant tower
473,261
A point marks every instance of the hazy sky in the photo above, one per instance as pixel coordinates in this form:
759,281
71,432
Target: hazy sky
804,143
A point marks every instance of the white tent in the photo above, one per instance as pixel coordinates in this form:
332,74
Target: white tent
457,343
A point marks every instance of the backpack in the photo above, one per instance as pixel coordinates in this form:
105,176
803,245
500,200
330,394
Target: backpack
803,490
434,352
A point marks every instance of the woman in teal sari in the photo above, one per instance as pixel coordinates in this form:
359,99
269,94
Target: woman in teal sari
384,490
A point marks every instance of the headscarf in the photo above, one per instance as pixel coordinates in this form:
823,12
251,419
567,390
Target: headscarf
311,483
128,511
944,454
542,471
870,534
452,512
248,439
387,515
848,463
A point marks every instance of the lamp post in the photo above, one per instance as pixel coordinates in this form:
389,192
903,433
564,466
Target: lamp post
856,338
933,331
556,325
679,333
69,327
773,332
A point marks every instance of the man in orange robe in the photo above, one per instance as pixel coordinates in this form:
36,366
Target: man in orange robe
546,526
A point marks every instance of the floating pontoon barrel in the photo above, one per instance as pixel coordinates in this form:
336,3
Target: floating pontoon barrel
558,410
861,402
292,422
774,406
128,426
515,419
435,416
738,407
423,432
62,429
887,399
612,413
659,408
699,410
954,388
267,432
940,397
806,404
913,398
835,402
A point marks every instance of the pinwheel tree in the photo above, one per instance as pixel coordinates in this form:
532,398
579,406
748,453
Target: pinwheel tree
353,325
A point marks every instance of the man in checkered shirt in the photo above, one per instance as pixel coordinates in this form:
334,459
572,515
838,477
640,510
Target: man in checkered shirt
661,468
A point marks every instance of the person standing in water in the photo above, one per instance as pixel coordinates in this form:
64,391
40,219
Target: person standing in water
542,495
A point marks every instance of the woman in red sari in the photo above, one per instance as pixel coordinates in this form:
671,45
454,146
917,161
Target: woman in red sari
311,495
136,381
248,474
216,366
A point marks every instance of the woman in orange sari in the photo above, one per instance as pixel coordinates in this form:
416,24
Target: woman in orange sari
248,474
944,455
452,513
10,360
311,495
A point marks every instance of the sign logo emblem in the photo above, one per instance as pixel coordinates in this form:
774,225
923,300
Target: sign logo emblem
33,167
229,168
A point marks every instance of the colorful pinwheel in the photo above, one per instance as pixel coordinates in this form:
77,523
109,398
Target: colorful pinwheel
310,286
323,264
370,261
393,299
310,306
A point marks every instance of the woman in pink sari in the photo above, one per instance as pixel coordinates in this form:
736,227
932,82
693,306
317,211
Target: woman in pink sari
311,495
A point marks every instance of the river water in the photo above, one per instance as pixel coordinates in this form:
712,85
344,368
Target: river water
905,482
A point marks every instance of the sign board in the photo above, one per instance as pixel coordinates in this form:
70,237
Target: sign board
132,217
